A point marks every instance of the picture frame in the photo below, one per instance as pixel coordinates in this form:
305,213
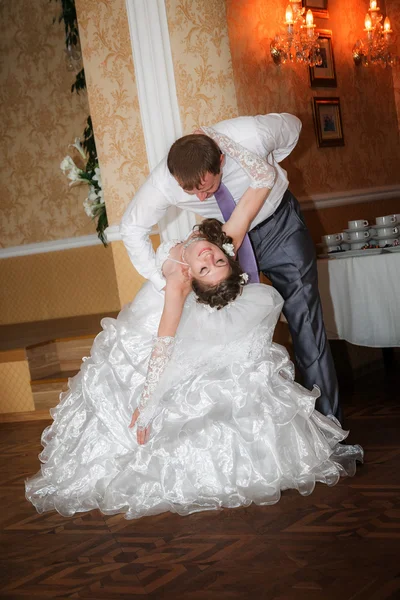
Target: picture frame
325,74
328,122
319,8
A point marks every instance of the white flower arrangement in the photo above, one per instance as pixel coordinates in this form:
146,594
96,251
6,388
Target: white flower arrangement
244,278
93,205
229,249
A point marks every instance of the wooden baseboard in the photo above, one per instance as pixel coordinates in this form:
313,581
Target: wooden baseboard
34,415
16,355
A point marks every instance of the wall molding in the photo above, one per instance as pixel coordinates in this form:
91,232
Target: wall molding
330,200
316,202
82,241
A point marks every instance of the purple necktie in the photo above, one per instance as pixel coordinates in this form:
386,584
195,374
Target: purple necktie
246,256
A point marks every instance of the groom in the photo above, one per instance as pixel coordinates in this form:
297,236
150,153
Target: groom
190,176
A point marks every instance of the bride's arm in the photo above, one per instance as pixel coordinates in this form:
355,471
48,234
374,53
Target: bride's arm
176,290
246,210
262,177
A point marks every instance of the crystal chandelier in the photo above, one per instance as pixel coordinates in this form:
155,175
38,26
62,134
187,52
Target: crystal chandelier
298,42
377,45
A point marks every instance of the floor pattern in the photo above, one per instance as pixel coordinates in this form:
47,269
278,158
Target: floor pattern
339,543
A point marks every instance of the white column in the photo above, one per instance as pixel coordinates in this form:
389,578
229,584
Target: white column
157,95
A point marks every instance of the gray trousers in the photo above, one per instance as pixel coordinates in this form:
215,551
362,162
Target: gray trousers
286,255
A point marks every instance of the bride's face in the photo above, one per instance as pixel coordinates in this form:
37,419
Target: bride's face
207,262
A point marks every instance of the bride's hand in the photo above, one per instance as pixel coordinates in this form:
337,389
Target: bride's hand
141,434
179,280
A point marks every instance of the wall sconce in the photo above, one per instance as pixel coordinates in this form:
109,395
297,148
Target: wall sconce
298,42
376,46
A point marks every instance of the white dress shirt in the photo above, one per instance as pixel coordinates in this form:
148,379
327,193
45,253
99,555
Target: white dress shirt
271,137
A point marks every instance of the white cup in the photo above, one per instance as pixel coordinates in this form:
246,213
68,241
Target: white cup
388,242
358,236
358,245
332,239
358,224
388,220
345,246
387,231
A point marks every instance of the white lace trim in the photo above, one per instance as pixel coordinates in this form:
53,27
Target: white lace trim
260,172
162,254
160,356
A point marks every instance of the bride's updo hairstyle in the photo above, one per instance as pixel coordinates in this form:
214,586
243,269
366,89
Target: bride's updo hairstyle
218,296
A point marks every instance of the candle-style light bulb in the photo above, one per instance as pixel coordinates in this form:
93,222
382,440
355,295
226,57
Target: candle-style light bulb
309,18
386,25
289,15
373,5
368,22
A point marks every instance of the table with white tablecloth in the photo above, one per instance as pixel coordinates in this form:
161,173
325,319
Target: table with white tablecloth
361,299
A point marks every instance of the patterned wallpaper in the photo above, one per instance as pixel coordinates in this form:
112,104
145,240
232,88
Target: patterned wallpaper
113,100
39,117
202,61
370,156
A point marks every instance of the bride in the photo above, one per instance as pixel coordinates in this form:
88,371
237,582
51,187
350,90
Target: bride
185,403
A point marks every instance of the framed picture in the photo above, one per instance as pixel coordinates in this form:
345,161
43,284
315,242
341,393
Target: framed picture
319,8
328,122
324,75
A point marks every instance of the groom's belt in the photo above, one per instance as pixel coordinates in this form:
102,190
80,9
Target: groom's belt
282,204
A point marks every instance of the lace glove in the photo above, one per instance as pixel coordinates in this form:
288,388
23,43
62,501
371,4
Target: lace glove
148,403
260,172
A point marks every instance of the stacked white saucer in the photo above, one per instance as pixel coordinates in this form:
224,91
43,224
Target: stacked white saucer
385,232
333,242
358,234
363,239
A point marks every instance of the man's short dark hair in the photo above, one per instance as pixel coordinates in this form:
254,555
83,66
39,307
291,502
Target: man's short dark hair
191,157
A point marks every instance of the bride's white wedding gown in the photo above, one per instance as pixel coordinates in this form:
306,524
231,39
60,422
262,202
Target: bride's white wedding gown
232,426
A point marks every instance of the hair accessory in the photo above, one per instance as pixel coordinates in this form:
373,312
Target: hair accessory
229,249
244,278
209,308
192,239
213,309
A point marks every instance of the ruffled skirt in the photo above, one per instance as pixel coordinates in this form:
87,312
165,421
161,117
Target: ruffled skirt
228,432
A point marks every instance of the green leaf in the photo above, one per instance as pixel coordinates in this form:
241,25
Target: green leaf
102,224
80,82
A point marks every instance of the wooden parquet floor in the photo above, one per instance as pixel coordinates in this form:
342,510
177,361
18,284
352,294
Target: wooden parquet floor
340,543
